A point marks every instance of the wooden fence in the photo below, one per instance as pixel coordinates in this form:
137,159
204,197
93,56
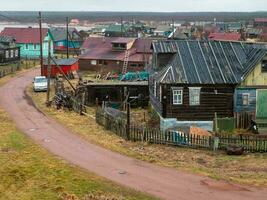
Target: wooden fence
176,138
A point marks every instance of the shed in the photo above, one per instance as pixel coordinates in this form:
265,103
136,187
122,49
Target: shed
67,65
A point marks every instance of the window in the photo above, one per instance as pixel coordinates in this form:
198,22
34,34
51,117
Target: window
93,62
16,53
35,46
194,96
264,66
100,62
7,54
245,99
177,95
11,53
133,65
26,46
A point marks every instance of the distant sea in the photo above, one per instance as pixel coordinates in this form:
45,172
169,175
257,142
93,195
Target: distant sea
60,17
35,25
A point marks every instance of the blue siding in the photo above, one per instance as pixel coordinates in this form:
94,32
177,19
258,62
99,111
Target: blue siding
238,101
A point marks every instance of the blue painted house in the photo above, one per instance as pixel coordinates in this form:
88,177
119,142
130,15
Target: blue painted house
60,39
28,39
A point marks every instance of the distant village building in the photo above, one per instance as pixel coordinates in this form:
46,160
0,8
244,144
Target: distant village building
233,36
193,80
61,43
28,39
260,22
112,53
163,31
9,51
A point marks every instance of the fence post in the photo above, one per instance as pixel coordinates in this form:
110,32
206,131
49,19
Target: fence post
216,143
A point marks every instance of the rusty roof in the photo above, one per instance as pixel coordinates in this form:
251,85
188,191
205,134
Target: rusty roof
101,48
25,35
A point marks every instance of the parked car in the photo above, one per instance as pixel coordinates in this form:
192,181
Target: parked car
40,84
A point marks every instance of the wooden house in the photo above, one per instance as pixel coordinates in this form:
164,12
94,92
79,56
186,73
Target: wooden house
61,43
193,80
28,39
9,51
67,66
110,54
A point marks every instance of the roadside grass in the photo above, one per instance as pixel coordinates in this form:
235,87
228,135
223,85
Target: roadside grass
250,169
29,172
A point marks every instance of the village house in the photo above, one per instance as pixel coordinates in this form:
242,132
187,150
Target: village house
9,51
229,36
112,54
61,43
260,22
28,39
193,80
163,31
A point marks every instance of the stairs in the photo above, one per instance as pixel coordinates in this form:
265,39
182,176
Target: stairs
125,62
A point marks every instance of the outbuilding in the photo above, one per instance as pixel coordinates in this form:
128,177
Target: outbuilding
67,66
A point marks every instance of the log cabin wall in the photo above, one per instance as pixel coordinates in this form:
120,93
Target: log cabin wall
210,102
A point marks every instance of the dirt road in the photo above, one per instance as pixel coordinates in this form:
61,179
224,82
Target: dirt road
162,182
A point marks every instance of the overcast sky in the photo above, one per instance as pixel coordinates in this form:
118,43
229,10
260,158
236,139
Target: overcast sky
136,5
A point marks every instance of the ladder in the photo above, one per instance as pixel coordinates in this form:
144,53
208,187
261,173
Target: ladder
125,62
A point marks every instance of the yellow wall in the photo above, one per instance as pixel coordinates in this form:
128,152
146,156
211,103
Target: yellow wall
256,77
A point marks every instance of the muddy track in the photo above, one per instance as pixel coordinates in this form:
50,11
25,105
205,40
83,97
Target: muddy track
161,182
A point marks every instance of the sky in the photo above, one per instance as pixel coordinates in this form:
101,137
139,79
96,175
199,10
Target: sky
136,5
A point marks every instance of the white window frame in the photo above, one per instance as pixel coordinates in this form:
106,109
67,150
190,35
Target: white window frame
248,96
93,62
16,53
7,54
175,93
192,101
34,46
12,53
26,46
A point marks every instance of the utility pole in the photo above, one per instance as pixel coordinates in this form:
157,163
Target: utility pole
121,27
173,29
41,43
67,33
48,74
128,123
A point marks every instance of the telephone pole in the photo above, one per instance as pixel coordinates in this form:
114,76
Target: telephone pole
48,74
41,43
67,33
121,27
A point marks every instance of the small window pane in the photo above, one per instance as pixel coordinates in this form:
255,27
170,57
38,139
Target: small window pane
245,99
194,96
93,62
7,54
177,97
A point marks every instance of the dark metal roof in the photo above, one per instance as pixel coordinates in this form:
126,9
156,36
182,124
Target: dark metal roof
208,62
59,34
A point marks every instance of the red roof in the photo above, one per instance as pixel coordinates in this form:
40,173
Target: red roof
264,20
225,36
101,48
25,35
